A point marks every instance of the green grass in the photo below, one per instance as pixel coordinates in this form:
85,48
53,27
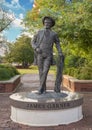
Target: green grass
34,70
27,71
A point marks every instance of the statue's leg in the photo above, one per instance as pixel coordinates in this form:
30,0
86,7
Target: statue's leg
58,83
35,58
43,75
40,67
59,74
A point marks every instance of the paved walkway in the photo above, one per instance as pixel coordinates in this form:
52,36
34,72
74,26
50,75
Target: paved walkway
31,82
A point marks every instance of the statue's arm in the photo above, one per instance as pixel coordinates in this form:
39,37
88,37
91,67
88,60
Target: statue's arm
34,42
57,42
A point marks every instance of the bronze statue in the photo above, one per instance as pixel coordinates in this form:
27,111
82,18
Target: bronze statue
43,43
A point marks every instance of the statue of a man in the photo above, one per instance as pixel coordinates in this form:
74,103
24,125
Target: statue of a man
43,43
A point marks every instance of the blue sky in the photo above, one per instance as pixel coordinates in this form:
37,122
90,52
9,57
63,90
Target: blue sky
18,9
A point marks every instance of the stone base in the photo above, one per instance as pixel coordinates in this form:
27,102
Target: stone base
75,85
48,109
8,86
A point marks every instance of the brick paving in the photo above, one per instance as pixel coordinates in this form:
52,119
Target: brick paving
31,82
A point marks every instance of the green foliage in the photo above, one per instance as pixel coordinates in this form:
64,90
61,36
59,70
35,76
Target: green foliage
78,67
21,51
74,61
73,21
80,72
84,73
77,25
74,27
7,71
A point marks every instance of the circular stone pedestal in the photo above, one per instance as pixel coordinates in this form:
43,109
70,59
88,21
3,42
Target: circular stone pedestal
47,109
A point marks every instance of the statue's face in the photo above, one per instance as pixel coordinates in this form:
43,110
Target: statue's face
48,23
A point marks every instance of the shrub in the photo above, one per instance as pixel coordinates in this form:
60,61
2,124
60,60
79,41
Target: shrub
4,74
74,61
7,71
78,67
80,72
84,73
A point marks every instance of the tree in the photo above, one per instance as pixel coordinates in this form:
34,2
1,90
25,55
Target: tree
74,22
21,51
5,19
73,25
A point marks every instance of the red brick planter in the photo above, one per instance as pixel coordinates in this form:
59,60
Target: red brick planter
9,85
76,85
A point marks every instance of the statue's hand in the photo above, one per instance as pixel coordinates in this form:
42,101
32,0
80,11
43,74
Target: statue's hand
38,50
61,55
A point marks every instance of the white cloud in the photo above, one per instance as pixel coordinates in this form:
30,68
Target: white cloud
10,16
2,1
31,1
18,22
1,35
27,34
4,32
21,16
15,1
13,5
10,11
16,10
